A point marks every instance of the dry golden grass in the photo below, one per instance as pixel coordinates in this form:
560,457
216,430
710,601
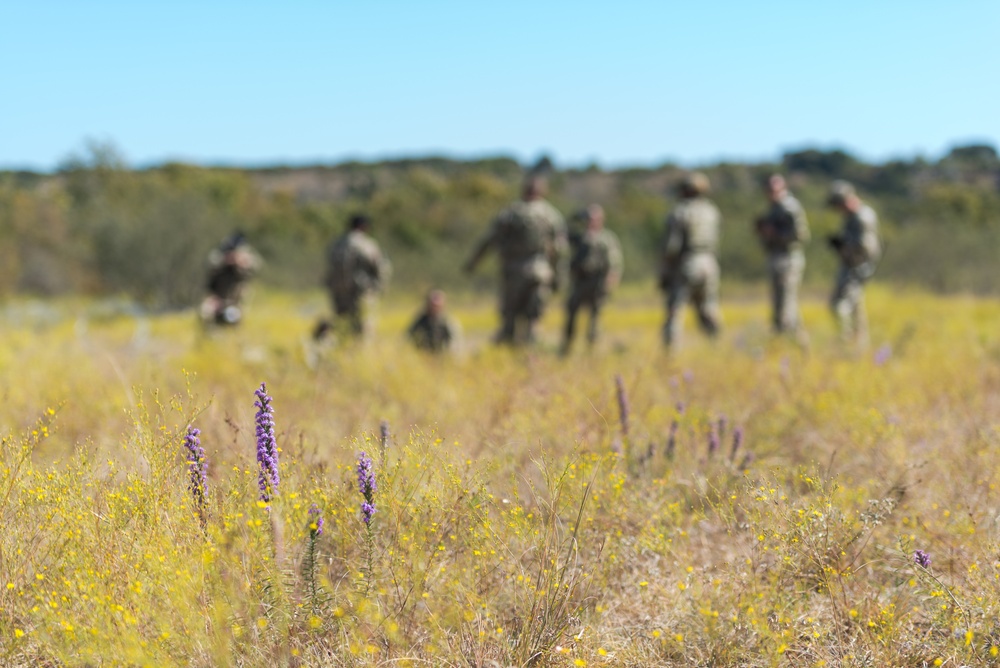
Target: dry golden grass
516,523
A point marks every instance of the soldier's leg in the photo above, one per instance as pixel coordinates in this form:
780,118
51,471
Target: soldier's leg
535,295
356,320
860,316
841,304
677,295
508,313
595,311
778,297
569,330
791,280
706,299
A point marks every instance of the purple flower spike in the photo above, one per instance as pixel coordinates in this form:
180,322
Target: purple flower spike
922,559
672,439
366,486
713,440
883,354
197,470
737,442
367,512
267,446
317,519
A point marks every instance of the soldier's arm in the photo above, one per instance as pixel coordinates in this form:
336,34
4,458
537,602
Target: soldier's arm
414,328
869,235
763,227
670,250
801,223
559,250
674,238
384,270
484,245
615,259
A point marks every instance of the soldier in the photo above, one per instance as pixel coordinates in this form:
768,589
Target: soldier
433,330
595,269
530,237
230,268
783,230
688,267
356,268
859,249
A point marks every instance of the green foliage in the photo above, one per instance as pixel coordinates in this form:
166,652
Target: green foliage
98,226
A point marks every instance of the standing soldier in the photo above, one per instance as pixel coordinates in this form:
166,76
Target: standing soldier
530,237
230,268
783,230
688,266
859,249
433,330
595,268
356,268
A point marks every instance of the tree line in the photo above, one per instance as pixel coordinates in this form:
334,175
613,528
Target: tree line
97,226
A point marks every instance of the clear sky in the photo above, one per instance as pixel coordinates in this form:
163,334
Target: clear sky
220,81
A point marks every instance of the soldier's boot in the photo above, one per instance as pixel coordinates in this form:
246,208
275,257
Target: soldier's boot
708,320
321,330
505,335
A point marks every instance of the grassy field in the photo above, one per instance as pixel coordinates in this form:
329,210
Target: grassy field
758,506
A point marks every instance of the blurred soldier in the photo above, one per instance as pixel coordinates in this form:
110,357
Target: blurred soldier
859,249
688,266
783,230
355,269
595,268
530,237
230,268
433,330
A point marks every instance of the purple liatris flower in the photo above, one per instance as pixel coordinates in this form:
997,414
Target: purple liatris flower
672,439
737,442
315,521
922,559
883,354
267,446
713,440
367,512
366,486
197,470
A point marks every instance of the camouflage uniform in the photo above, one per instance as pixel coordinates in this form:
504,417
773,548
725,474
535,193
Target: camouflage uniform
859,248
783,230
689,269
530,237
596,256
355,268
433,332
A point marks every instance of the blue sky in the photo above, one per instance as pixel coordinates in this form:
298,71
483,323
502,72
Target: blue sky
617,82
